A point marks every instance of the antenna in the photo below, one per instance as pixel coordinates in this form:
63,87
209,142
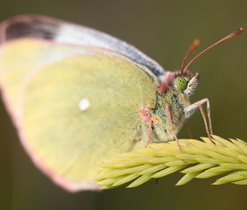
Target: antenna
233,34
192,47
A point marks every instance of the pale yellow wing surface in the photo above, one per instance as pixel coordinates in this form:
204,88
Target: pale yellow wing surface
69,143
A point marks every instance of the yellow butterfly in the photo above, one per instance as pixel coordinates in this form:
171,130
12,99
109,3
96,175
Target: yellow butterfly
78,96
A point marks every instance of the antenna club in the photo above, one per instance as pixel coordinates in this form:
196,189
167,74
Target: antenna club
235,33
196,43
240,30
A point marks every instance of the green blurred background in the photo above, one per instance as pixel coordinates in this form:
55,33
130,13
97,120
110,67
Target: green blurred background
164,30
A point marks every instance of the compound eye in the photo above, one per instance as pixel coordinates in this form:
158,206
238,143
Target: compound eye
180,83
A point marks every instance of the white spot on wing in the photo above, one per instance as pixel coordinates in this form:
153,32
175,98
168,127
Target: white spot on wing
84,104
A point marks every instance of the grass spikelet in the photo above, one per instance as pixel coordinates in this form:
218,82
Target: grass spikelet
199,159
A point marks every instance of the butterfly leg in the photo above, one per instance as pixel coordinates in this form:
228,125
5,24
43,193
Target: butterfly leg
186,125
168,112
191,109
146,116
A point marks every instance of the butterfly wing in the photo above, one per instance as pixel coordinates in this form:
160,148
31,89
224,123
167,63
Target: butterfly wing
43,82
37,26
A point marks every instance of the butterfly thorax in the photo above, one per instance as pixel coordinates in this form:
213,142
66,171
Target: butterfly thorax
173,100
